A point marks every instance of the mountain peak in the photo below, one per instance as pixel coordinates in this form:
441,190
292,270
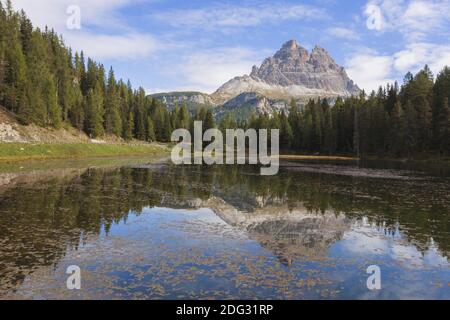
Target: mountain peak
291,50
294,72
291,45
318,48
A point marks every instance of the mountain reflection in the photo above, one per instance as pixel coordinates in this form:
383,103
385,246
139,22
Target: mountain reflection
293,215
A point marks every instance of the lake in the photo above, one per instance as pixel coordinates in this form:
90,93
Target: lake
143,230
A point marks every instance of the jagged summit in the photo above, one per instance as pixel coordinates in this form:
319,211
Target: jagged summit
291,45
293,72
294,65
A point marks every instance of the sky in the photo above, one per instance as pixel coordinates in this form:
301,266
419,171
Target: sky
168,45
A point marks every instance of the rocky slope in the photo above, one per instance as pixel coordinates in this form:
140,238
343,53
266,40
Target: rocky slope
192,99
244,104
12,131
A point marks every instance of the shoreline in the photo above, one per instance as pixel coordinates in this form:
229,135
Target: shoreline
18,151
11,152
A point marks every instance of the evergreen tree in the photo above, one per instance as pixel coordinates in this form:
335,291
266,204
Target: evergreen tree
76,113
443,125
411,129
94,112
441,94
183,117
424,122
150,130
129,128
15,79
159,122
397,129
167,127
228,121
53,109
294,122
113,121
285,132
140,115
209,122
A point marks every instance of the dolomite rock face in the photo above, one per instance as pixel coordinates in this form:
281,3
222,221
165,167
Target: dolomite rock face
292,72
171,99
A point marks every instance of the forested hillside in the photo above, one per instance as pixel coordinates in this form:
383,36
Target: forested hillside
43,82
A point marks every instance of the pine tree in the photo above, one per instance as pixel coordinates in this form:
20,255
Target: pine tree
76,112
167,127
209,122
411,130
15,78
294,121
183,117
150,130
227,122
53,109
26,30
330,133
94,112
159,122
441,92
113,121
397,130
140,115
443,125
424,122
285,132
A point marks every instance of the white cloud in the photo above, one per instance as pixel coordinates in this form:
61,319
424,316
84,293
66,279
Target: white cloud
365,239
344,33
370,70
112,37
54,12
416,55
225,16
100,46
419,22
414,19
207,70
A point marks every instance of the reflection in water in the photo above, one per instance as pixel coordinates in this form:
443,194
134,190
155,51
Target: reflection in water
162,231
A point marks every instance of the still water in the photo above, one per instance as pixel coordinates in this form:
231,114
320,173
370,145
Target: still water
159,231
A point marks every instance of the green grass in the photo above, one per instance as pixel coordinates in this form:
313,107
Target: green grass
42,151
312,157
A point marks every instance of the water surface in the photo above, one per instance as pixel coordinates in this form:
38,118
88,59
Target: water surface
160,231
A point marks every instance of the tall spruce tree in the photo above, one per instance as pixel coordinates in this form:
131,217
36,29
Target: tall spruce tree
95,112
113,121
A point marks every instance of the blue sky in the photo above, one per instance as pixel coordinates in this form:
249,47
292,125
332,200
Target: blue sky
167,45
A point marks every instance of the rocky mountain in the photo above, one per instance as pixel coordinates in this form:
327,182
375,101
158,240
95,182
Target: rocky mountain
244,104
192,99
292,73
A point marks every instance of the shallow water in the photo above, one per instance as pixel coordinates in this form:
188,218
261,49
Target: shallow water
169,232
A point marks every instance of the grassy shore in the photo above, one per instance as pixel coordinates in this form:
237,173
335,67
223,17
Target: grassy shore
41,151
310,157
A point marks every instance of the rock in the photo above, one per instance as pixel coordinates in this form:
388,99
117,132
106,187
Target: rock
243,105
192,99
9,134
293,72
